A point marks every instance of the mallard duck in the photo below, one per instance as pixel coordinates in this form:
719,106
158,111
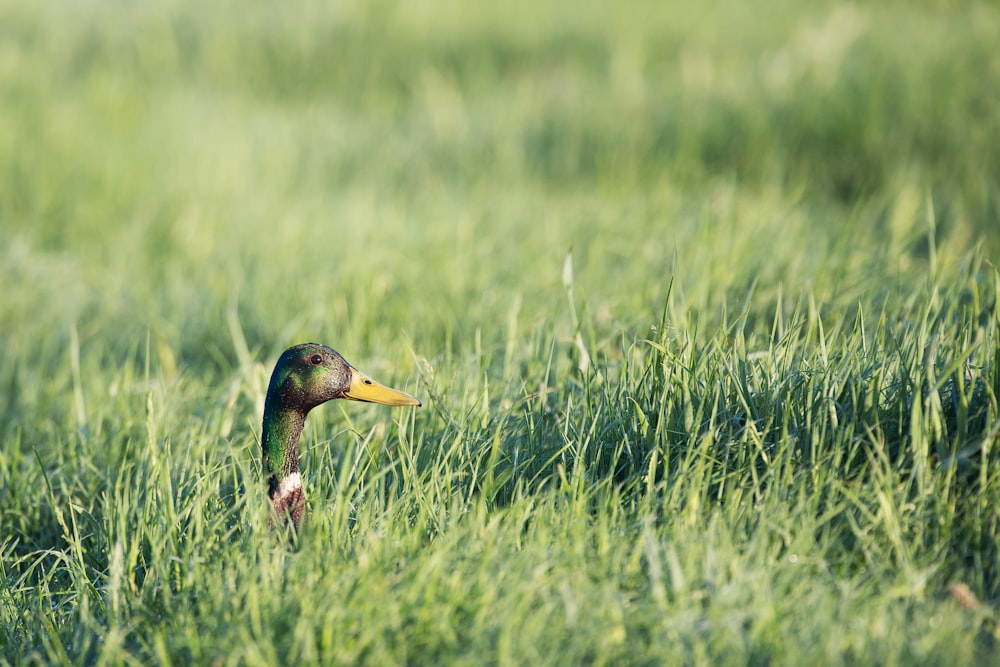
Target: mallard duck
306,376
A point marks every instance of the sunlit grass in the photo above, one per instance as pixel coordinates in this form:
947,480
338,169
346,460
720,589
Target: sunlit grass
702,305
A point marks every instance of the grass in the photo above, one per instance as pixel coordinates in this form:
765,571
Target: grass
702,304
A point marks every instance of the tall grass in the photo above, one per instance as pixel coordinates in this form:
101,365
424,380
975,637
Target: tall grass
702,304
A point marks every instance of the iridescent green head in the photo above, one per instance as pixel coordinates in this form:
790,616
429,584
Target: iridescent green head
310,374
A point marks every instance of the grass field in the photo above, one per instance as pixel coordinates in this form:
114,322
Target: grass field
701,302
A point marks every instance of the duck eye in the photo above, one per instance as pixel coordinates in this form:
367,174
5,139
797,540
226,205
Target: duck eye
316,359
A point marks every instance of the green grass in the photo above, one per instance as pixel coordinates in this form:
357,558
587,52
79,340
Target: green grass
702,304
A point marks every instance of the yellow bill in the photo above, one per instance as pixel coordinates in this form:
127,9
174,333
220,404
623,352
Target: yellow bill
363,388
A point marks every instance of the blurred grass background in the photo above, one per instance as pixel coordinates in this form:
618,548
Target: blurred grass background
187,189
147,143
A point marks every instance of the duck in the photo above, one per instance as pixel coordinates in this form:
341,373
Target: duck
304,377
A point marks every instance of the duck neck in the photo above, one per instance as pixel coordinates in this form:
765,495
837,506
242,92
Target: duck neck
279,442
